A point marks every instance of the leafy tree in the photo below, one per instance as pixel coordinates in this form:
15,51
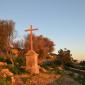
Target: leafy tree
6,33
82,63
6,38
42,45
64,56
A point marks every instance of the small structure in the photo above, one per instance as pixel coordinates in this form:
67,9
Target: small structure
32,62
32,56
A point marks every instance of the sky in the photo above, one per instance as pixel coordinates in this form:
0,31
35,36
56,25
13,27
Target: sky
62,21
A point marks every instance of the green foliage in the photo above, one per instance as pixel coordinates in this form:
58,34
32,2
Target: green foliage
16,69
5,81
64,56
48,64
18,63
1,58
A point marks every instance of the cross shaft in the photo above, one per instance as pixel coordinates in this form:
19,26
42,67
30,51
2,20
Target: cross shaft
31,40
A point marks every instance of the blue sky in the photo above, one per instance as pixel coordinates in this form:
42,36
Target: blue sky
62,21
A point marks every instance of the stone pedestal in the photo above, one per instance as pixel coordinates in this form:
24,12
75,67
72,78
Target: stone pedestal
32,62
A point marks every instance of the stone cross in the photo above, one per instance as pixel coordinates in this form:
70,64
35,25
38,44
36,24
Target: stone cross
31,41
32,56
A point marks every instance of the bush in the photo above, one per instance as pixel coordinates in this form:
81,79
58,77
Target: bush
18,63
53,64
1,58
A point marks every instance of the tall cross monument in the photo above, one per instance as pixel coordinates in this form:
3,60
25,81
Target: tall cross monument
32,56
31,40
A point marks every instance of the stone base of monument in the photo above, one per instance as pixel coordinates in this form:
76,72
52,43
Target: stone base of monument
32,62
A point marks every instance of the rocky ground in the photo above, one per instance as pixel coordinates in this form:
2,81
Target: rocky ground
53,76
64,80
41,79
45,79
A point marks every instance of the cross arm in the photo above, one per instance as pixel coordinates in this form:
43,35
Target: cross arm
31,29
